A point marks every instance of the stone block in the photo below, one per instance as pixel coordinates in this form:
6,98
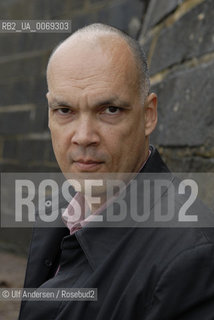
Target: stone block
39,90
146,45
28,42
17,92
55,9
10,149
26,150
190,164
42,41
186,114
16,122
83,19
121,14
50,153
157,11
10,43
15,9
32,66
31,151
41,118
191,36
96,1
23,91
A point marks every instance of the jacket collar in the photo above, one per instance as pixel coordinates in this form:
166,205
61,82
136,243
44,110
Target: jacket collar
98,242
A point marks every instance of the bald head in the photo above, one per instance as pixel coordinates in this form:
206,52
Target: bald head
97,88
101,41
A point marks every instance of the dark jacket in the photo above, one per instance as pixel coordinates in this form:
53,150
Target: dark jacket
140,273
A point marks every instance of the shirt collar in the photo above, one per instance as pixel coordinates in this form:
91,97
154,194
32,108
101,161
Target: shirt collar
78,214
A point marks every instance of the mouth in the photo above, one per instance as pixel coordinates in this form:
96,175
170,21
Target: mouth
87,165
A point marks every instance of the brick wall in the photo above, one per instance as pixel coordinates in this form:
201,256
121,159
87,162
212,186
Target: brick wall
179,41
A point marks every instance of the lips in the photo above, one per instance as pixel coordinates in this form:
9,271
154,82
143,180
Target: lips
87,164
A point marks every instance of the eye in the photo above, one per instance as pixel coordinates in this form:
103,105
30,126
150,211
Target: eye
112,110
63,111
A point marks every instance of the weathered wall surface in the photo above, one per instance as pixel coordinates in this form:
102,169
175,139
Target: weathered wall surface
179,40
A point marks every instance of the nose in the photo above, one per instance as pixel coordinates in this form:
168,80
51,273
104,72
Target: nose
85,132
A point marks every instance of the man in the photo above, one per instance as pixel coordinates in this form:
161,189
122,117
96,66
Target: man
101,114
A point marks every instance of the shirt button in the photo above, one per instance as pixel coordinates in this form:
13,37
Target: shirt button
48,263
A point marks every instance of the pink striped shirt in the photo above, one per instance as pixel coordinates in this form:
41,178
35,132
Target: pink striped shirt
78,214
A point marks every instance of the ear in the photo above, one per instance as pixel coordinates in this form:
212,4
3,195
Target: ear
151,117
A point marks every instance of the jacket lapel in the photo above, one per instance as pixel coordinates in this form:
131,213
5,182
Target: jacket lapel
45,246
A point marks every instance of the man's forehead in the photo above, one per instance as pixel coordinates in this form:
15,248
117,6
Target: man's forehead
91,46
89,40
89,61
77,59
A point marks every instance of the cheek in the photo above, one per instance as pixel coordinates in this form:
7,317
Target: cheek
116,141
128,139
126,134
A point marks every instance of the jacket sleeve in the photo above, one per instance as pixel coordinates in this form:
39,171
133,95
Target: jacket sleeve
185,291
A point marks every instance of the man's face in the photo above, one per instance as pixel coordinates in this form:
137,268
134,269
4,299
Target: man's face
96,117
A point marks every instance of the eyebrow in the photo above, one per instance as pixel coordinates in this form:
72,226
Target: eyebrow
109,101
114,100
56,103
